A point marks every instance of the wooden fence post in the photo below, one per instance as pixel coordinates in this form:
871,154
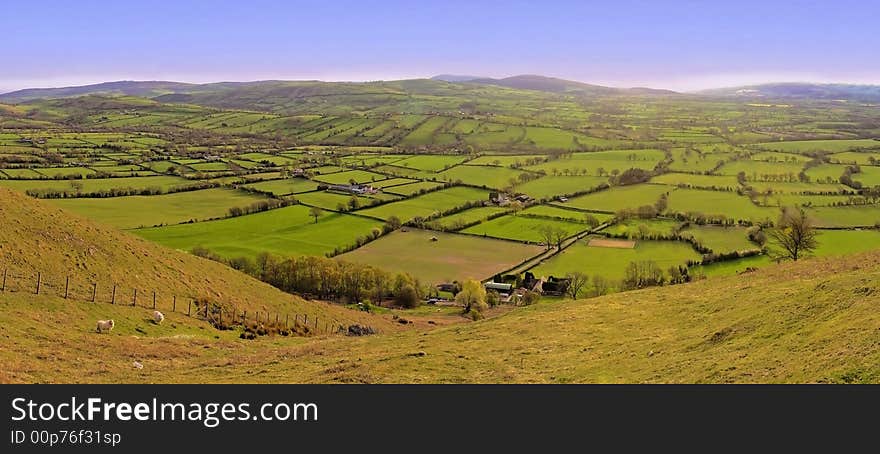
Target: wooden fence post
113,298
189,308
276,318
206,309
134,300
66,287
174,303
94,291
39,281
5,271
154,299
316,323
287,321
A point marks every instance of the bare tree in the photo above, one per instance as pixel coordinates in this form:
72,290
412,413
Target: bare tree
795,234
600,285
576,282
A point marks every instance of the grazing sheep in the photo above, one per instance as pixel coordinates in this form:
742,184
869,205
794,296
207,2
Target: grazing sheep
104,326
158,317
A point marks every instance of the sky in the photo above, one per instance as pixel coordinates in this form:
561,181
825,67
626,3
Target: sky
679,45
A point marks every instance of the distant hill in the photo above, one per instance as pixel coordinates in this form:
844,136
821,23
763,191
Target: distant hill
271,94
455,78
543,83
145,89
868,93
556,85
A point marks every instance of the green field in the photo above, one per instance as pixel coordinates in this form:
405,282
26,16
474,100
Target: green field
99,184
550,211
522,228
721,182
411,188
549,186
601,162
285,186
802,146
455,221
611,263
614,199
359,176
289,231
832,243
146,211
451,257
427,204
715,203
432,163
491,177
331,200
848,216
721,239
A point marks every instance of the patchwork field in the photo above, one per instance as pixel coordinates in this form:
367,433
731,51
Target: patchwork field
449,258
427,204
523,228
428,146
611,263
288,231
145,211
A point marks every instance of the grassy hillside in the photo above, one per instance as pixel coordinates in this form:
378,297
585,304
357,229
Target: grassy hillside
814,321
39,238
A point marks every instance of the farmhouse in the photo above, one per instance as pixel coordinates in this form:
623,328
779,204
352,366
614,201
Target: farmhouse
497,286
353,188
499,198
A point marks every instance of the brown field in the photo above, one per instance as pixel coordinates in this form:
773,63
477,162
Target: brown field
618,244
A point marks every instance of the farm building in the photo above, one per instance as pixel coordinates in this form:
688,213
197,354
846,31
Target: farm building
353,188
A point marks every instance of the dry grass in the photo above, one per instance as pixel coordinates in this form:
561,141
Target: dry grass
619,244
38,237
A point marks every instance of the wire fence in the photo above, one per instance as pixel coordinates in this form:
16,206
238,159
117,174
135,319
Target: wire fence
219,315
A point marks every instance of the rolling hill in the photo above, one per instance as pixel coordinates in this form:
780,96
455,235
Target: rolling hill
145,89
39,238
866,93
814,321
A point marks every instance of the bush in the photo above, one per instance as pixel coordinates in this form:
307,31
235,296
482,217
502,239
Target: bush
407,297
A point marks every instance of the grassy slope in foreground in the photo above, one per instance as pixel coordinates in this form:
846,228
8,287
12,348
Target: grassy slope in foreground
38,237
814,321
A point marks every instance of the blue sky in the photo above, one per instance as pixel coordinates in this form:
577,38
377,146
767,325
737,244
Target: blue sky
682,45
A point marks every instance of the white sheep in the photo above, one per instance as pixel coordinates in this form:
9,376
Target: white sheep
104,326
158,317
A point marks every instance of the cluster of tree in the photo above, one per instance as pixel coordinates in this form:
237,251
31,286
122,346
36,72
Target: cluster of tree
847,180
257,207
632,176
76,188
393,223
700,218
328,279
643,274
552,235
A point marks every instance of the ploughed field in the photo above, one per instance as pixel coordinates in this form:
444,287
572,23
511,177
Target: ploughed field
543,184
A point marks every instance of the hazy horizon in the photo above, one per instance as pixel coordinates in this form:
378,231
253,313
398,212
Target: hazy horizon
680,45
294,79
